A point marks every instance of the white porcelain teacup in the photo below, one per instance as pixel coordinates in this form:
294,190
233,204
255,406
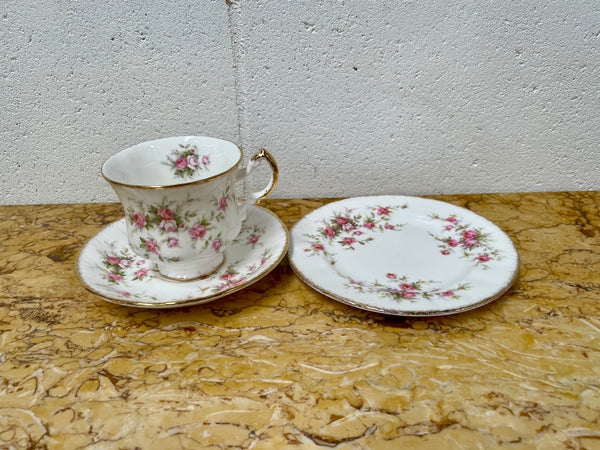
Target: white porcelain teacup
180,203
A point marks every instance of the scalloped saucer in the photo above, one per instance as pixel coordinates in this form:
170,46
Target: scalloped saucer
404,256
108,268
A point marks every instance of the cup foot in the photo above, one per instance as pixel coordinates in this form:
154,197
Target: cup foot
180,271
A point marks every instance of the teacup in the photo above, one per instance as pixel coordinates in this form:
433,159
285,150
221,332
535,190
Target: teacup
180,202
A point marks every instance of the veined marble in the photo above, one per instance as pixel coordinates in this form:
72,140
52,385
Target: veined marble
280,365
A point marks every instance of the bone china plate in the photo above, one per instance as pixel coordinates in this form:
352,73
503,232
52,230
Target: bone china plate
108,268
403,256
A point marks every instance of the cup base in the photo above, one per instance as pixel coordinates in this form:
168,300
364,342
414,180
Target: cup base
178,271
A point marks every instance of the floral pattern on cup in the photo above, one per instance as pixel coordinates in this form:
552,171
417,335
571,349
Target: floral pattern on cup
399,287
457,237
220,205
201,235
123,267
162,216
349,229
177,225
187,161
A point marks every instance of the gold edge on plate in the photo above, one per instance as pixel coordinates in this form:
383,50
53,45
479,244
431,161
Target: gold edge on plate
187,302
404,313
432,313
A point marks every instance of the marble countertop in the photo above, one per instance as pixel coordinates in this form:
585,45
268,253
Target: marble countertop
280,365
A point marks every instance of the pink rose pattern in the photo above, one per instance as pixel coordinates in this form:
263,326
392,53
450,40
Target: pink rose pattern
119,267
232,277
458,237
172,220
154,216
150,245
223,203
349,229
251,235
186,161
220,205
139,220
122,268
217,244
400,288
198,231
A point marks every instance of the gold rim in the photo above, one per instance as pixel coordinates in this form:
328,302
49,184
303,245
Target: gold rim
187,302
431,313
171,186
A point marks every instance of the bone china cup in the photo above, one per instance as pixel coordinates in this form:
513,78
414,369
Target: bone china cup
180,203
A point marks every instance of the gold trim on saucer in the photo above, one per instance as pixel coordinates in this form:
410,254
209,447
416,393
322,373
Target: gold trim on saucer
192,301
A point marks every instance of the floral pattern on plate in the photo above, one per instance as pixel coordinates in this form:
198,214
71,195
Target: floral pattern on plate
124,266
458,236
349,229
405,289
186,161
252,235
109,268
415,257
234,276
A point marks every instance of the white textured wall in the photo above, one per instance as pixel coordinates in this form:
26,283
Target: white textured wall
353,97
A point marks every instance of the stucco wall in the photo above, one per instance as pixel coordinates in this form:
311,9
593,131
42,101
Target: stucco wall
353,97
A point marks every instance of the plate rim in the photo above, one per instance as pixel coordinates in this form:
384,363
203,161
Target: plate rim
187,302
370,308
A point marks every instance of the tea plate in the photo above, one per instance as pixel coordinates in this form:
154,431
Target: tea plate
404,256
109,268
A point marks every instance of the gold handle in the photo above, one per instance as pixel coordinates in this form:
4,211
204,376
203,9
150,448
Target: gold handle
264,154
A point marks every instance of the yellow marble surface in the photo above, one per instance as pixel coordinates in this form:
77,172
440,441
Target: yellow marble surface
280,366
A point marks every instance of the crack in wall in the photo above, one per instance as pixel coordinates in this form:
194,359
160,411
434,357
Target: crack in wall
234,14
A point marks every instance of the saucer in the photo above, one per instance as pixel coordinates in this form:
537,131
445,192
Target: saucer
403,256
108,268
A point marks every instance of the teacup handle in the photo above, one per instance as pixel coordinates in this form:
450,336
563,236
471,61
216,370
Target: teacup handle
256,197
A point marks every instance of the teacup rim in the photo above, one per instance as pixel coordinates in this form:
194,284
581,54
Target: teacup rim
171,186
